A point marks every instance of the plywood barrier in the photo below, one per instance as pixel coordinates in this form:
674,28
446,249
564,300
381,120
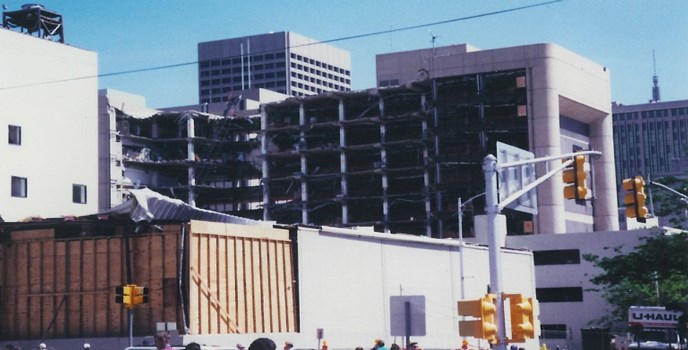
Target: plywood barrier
241,279
64,287
235,279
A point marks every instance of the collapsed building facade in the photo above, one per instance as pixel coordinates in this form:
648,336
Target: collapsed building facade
398,157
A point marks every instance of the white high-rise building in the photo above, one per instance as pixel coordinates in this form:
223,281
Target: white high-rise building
49,112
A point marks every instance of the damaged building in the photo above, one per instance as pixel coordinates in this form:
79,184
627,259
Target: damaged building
207,160
397,157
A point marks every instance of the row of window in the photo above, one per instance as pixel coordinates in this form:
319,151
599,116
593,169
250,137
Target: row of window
245,78
319,72
659,113
327,84
320,81
238,60
387,83
20,189
235,70
320,64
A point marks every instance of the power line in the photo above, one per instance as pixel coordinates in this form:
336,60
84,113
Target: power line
351,37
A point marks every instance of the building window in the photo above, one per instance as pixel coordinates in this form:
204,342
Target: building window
79,194
553,331
556,257
19,186
15,135
559,295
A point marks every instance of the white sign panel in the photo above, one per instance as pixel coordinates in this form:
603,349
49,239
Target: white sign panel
653,316
407,311
514,178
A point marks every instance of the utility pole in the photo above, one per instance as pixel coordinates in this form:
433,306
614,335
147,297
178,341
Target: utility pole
496,230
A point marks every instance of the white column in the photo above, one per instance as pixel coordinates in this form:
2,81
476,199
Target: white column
606,205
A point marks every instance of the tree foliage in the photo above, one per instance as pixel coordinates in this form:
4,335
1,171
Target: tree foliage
654,274
667,204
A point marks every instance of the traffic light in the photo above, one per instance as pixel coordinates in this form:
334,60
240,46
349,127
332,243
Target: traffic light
522,318
140,295
574,180
124,295
485,327
131,295
635,199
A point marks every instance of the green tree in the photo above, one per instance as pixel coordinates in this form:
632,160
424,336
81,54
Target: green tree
655,273
667,204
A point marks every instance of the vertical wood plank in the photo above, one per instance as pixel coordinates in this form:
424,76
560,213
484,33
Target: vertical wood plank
86,288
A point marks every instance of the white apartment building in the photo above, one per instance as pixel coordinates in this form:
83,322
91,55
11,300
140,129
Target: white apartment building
49,112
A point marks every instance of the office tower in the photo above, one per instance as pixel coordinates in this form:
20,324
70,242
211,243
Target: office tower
284,62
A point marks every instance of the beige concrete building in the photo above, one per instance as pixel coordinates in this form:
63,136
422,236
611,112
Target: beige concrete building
566,107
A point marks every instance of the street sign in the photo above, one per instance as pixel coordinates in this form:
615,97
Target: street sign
514,178
407,315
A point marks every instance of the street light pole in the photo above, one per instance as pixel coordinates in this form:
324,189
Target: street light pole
495,233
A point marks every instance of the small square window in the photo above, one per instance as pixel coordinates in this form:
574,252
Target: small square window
79,194
14,135
19,186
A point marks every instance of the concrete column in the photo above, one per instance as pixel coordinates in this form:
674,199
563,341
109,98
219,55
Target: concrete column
304,167
545,140
191,156
266,171
342,164
606,205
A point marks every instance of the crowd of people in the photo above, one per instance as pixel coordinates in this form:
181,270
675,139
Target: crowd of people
162,342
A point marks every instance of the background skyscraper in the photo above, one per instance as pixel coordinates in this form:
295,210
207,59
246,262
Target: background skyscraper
285,62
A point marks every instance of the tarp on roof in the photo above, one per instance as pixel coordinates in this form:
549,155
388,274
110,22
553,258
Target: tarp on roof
148,205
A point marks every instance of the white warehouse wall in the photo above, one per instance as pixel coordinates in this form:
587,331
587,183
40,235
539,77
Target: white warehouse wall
345,278
43,90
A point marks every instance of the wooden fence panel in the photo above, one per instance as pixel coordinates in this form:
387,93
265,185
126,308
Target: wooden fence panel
65,287
240,279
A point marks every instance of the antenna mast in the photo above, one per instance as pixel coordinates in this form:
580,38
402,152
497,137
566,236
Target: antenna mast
655,80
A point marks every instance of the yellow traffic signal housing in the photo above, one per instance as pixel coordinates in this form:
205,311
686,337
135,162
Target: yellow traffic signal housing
125,295
634,200
140,295
574,180
484,309
522,318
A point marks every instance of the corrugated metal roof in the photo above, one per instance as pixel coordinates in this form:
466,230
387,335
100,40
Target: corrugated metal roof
148,205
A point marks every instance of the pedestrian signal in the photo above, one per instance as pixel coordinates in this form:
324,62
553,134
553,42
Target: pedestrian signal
634,199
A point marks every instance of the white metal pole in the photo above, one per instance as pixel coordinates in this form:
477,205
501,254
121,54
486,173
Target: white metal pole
494,232
462,271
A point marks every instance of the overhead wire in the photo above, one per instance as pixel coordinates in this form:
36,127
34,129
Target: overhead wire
350,37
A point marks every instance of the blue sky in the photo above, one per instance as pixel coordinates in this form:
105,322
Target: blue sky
621,35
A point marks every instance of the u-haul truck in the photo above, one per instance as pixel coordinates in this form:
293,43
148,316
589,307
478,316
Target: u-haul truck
654,327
